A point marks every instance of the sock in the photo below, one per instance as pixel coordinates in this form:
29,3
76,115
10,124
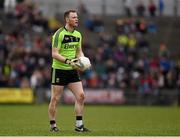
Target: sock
52,123
79,121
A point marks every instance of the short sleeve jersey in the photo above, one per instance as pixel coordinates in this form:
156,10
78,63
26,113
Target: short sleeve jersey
67,43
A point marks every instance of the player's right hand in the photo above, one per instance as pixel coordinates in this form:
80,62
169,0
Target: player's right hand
73,62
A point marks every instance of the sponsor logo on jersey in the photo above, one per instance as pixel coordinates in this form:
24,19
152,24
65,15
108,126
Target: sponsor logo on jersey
69,38
68,46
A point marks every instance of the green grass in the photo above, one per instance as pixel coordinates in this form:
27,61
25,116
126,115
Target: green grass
27,120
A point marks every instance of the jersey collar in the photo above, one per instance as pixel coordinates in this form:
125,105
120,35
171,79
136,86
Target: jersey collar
67,30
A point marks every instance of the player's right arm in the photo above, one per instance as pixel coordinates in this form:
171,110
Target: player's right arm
56,46
56,55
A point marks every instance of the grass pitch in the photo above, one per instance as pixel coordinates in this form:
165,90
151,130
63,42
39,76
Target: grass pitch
32,120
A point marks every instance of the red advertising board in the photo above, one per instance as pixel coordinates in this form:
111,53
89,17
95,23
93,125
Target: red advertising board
103,96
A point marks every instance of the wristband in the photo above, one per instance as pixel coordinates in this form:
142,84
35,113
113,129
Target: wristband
66,61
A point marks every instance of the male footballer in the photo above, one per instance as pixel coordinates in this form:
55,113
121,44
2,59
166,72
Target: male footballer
66,48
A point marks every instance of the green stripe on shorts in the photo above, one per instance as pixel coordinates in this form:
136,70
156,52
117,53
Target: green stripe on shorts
53,75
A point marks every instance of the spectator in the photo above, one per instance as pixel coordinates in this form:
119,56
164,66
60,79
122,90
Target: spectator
35,79
146,84
152,28
132,43
82,8
95,24
165,67
161,7
140,9
98,24
9,6
112,80
122,40
163,51
143,45
127,7
152,8
54,24
89,23
25,83
154,64
141,26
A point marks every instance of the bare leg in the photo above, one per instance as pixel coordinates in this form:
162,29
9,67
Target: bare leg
56,92
78,92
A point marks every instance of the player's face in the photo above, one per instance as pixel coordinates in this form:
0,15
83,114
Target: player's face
73,19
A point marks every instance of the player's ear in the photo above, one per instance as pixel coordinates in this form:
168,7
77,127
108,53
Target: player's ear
67,19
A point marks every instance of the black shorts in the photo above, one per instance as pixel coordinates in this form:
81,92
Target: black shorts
64,77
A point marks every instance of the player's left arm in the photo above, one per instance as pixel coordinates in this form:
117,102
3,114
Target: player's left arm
79,52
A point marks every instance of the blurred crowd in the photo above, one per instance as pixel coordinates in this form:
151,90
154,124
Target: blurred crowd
126,60
25,46
123,60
